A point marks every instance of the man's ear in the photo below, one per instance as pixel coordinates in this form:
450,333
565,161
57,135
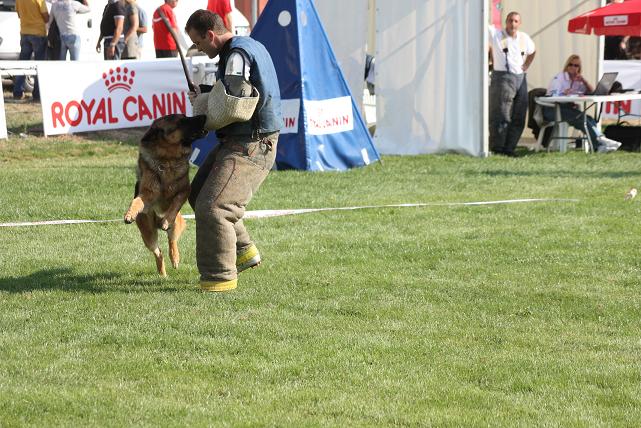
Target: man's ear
210,35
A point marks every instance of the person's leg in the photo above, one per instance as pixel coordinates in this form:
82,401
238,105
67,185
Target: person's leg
519,112
502,93
26,50
574,117
243,240
236,175
203,172
64,47
74,47
40,54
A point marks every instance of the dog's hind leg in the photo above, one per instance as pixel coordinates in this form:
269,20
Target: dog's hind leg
173,235
149,233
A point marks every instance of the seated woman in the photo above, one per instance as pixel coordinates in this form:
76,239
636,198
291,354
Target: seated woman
571,82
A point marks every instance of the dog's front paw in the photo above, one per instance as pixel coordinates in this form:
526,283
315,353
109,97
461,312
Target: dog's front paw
129,218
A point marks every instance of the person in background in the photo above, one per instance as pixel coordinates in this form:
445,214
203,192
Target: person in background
64,13
571,82
130,28
143,21
616,47
111,30
163,42
234,170
223,9
512,53
33,16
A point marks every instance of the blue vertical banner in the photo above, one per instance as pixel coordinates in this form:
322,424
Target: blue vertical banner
323,128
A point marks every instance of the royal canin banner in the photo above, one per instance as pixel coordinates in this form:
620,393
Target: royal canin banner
630,78
92,96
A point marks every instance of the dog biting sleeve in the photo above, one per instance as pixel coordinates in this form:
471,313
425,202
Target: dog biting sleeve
200,104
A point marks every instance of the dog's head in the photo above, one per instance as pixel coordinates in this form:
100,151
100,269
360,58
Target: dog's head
174,130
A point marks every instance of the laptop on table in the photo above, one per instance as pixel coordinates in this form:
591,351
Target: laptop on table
605,84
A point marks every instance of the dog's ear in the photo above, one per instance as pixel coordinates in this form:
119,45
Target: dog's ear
150,135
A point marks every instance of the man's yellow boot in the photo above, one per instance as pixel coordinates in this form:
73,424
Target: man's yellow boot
218,285
248,258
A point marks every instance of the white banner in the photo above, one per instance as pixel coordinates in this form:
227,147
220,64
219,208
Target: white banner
329,116
291,111
3,120
110,94
630,78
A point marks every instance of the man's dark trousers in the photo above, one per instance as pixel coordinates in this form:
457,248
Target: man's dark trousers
508,107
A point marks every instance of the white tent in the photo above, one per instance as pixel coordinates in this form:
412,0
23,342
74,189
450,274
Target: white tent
431,63
346,25
430,76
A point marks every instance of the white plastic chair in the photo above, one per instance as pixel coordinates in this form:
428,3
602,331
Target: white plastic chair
560,131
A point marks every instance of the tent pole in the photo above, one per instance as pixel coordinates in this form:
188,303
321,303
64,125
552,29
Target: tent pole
601,51
254,12
485,97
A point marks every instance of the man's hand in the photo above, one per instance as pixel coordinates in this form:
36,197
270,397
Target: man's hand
98,48
193,94
111,51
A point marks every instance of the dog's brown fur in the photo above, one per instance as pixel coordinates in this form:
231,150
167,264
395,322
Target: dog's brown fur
162,185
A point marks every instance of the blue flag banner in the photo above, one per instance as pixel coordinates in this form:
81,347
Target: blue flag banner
323,129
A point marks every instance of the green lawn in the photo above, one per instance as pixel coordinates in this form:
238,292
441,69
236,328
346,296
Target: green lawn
522,314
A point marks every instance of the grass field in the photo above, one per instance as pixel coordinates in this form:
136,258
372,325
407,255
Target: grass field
501,315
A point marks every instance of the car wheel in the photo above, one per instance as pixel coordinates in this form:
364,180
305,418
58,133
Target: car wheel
29,83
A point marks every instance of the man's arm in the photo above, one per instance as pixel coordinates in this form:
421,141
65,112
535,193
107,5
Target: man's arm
133,28
230,23
142,25
81,7
119,21
44,12
528,61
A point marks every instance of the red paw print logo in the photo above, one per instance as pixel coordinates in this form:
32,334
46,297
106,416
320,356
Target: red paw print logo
119,78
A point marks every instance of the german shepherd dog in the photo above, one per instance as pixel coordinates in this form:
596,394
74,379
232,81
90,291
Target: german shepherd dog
162,185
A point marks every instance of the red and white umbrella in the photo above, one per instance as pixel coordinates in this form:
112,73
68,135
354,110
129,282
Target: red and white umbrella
615,19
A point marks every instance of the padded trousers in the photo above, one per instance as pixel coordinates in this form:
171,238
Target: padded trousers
221,189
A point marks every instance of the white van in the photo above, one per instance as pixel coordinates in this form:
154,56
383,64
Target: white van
9,30
89,26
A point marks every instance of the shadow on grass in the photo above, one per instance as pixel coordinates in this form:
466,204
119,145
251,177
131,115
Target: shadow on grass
65,279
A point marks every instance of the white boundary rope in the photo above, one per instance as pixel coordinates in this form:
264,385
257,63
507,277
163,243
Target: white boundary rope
278,213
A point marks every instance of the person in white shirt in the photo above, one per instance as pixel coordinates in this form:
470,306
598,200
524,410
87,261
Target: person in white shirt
571,82
64,12
512,53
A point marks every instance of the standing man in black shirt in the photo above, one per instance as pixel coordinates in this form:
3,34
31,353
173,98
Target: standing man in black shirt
111,30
